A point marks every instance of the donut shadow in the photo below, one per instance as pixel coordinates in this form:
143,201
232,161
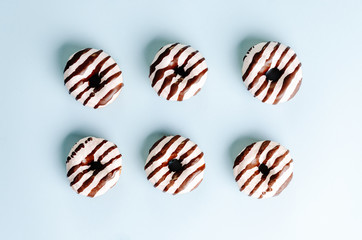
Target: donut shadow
238,145
149,141
68,142
245,45
153,47
66,50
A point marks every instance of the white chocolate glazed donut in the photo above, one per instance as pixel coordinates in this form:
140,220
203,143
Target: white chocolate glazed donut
93,166
272,72
178,72
263,169
93,78
175,165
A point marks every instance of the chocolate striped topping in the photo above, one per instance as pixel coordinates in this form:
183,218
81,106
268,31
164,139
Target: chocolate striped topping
272,72
178,72
93,78
263,169
93,166
190,165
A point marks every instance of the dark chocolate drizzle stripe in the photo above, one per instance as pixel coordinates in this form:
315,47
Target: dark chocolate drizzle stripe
265,83
96,172
274,83
165,53
100,158
86,79
190,178
296,89
75,58
108,97
159,74
95,166
262,148
103,181
257,56
191,82
276,176
269,155
189,152
176,175
242,155
169,178
78,148
284,185
189,57
157,169
162,152
246,183
156,143
279,159
287,81
194,161
281,58
99,69
255,163
79,96
82,67
162,178
105,71
101,86
270,91
261,89
172,156
89,158
167,81
264,69
174,86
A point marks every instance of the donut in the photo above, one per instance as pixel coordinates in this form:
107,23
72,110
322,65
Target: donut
93,78
263,169
178,72
272,72
93,166
175,165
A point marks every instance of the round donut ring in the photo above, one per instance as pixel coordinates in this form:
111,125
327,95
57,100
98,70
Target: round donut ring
93,166
93,78
272,72
178,72
175,165
263,169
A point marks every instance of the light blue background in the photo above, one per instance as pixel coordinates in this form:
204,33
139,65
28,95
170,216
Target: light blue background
40,121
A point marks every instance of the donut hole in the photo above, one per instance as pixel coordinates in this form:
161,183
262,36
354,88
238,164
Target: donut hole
94,81
175,165
264,169
273,74
180,71
96,166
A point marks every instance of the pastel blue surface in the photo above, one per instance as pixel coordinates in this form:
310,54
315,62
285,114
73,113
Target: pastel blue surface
40,121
